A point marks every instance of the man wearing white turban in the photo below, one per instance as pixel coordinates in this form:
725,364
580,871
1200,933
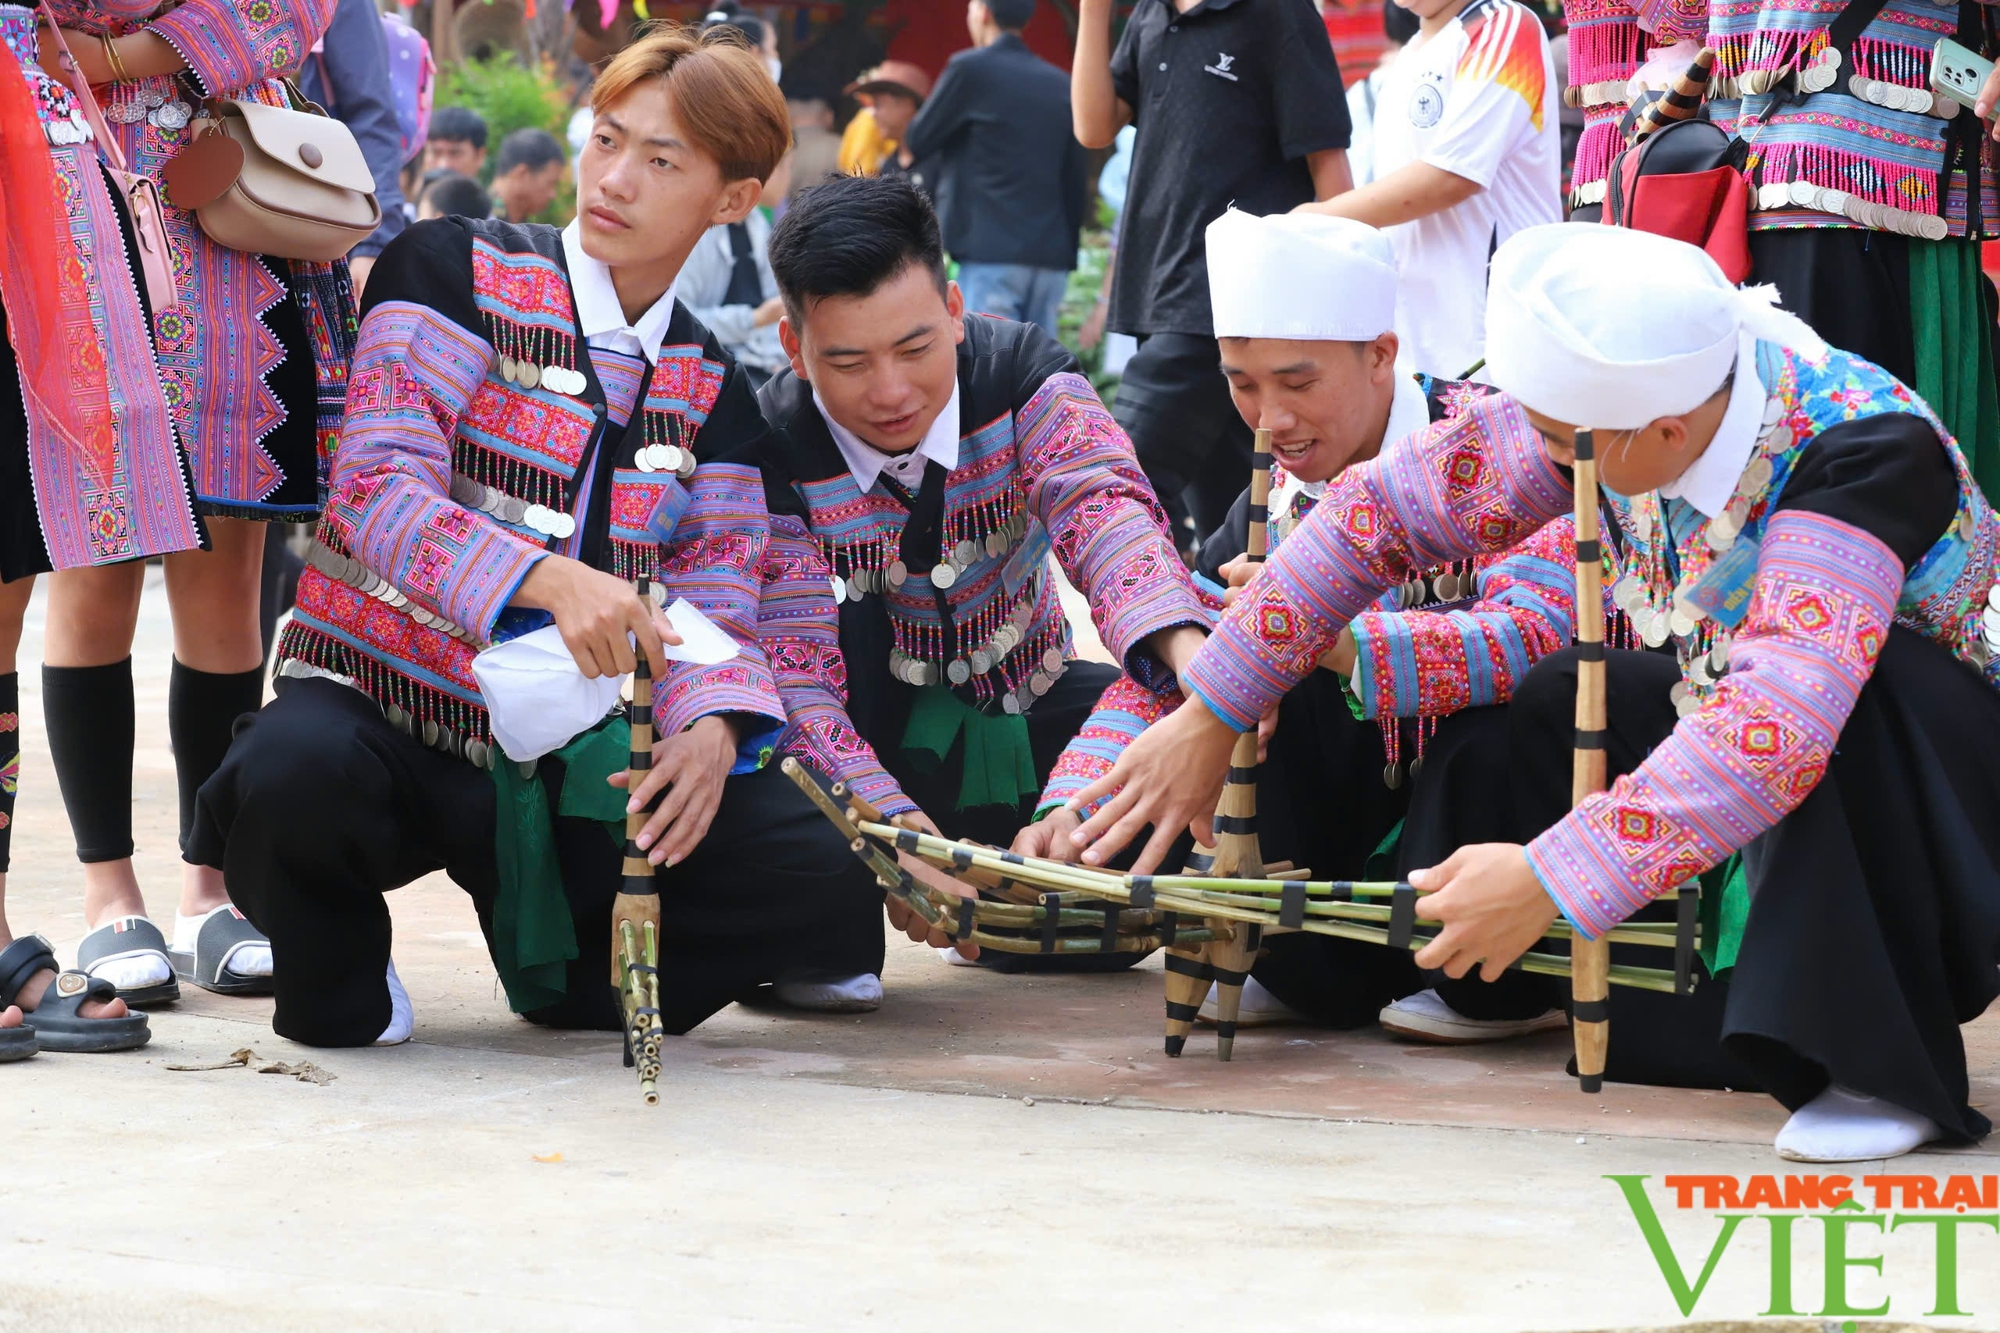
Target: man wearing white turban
1799,527
1304,307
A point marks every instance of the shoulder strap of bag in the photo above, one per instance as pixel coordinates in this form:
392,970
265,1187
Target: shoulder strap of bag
1847,24
79,88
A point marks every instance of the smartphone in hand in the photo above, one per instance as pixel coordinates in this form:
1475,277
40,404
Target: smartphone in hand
1958,72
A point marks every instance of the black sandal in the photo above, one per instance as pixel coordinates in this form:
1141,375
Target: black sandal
17,1043
58,1023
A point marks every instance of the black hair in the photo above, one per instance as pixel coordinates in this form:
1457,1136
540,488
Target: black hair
455,195
530,148
850,235
749,25
458,124
1013,15
1399,25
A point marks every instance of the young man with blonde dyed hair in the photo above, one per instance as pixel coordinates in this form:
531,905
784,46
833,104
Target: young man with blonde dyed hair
534,423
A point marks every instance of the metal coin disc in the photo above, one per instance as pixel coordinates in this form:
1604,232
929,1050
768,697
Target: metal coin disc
394,715
958,672
996,545
430,732
507,367
1052,660
899,573
478,753
531,377
173,115
965,552
943,576
642,462
982,661
1010,704
1392,776
1803,193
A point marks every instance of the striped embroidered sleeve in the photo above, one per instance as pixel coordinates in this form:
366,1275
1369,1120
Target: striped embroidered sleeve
799,623
1435,663
414,372
713,562
1824,596
230,47
1125,709
1083,482
1471,483
1670,21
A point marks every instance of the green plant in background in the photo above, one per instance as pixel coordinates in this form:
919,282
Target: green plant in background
1093,256
509,96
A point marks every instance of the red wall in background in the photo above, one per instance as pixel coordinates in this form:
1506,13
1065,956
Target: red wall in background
929,32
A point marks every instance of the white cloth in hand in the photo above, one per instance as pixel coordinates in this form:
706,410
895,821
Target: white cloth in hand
540,701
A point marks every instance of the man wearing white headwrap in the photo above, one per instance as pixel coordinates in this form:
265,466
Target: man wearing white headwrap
1303,308
1810,541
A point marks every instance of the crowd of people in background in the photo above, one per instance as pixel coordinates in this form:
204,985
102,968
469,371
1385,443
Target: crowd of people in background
745,336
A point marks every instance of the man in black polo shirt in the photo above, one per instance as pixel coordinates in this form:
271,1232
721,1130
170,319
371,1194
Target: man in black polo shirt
1009,176
1236,102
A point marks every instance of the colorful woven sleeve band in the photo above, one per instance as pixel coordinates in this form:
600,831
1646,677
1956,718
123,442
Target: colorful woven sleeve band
1472,483
1820,612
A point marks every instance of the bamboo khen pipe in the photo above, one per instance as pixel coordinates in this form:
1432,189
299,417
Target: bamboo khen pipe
1590,968
1238,852
635,913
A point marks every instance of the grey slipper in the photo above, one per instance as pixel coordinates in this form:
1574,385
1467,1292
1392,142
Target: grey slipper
222,933
129,937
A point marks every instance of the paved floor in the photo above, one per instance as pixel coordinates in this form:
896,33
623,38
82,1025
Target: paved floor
984,1153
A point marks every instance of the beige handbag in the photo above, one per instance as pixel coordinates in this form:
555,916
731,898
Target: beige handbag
275,181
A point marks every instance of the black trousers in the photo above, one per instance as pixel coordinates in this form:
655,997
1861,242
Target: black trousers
1874,927
321,807
1851,285
1190,439
1322,803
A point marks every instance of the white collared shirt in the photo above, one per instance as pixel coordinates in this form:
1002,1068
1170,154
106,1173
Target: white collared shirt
867,462
1409,412
600,315
1711,479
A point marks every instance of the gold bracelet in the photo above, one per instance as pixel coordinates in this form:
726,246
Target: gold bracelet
111,58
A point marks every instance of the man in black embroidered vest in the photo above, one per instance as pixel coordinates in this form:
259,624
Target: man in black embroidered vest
535,422
937,462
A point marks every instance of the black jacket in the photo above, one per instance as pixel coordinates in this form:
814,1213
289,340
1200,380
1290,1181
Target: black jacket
1007,172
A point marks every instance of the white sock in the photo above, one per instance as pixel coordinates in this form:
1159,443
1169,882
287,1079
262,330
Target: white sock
1843,1126
136,973
402,1018
832,994
248,960
950,954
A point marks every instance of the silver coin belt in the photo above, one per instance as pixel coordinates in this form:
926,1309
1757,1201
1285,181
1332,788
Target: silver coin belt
151,105
459,746
511,508
1843,203
1611,92
958,558
1450,586
347,570
986,657
1824,73
1681,619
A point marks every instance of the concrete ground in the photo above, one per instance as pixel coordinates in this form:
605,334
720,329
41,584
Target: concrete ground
984,1153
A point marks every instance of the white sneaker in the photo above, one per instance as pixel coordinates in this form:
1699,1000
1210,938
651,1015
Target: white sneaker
1843,1126
1260,1008
838,995
1426,1017
951,957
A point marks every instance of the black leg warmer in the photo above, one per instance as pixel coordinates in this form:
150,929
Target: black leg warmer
202,708
89,712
